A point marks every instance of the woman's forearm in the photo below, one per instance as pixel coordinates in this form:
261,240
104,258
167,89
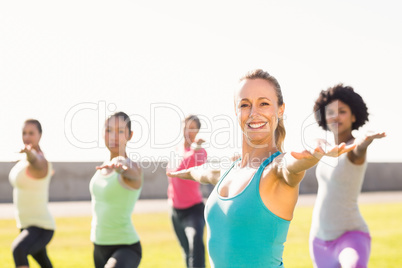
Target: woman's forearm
204,174
293,170
132,174
31,157
295,166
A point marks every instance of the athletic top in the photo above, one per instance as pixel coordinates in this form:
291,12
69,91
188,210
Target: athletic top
112,205
30,197
242,231
336,208
183,194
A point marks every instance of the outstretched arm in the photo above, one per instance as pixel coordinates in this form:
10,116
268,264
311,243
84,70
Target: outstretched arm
295,164
131,172
35,159
358,155
203,174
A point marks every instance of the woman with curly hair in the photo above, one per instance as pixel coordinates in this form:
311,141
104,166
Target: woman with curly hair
339,236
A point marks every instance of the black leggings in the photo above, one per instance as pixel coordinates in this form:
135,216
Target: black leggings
189,227
32,240
117,256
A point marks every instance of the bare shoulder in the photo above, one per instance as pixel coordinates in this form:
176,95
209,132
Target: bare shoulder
279,197
279,171
278,164
273,170
41,162
39,168
279,159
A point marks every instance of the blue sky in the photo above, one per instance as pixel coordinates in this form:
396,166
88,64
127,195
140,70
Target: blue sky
70,64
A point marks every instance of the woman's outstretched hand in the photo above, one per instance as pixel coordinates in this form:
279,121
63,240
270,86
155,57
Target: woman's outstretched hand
27,149
199,141
119,164
369,137
323,148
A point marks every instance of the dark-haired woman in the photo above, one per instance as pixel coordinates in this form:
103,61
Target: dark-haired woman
30,179
115,188
339,236
185,196
249,211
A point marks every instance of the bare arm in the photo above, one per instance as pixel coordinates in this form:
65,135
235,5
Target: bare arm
36,160
358,155
295,164
131,172
205,174
197,144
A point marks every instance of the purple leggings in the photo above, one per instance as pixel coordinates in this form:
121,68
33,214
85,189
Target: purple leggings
352,249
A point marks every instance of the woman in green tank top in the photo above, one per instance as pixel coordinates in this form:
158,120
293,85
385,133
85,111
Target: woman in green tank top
115,188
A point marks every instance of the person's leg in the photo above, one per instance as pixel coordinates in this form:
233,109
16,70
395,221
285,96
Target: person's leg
313,251
354,249
177,216
125,257
323,254
20,247
101,255
41,256
194,229
32,240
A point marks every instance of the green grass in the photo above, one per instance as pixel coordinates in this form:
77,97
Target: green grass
384,220
71,247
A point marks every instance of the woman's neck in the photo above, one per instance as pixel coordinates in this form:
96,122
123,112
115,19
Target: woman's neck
252,156
343,137
113,155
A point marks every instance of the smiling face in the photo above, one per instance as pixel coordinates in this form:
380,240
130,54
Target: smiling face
117,135
339,117
257,110
31,135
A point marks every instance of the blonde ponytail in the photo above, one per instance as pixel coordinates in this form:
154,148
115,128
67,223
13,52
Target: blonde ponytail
280,134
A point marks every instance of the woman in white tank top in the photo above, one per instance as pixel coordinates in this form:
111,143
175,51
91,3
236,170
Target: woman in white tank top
30,179
339,236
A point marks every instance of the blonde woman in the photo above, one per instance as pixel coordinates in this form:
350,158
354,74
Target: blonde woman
249,211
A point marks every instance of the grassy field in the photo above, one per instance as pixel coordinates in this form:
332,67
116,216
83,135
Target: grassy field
71,247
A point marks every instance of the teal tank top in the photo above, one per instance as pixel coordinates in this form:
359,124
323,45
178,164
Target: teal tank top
112,205
242,232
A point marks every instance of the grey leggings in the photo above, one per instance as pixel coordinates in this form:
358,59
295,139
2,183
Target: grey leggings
33,241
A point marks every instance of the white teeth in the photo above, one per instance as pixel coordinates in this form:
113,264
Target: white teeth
256,125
